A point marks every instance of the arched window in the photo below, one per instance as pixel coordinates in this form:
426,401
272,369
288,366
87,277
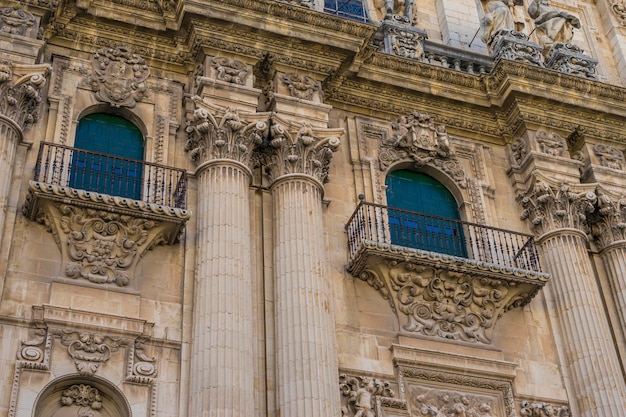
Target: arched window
423,214
108,156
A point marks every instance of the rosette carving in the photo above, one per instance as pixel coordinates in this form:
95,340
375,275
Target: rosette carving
223,134
299,149
417,137
82,395
358,394
20,91
608,221
550,206
119,76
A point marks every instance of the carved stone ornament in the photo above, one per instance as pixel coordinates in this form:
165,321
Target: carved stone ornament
417,137
230,70
119,76
541,409
223,133
518,152
299,149
570,59
403,41
89,350
301,86
141,367
448,403
515,46
35,353
358,394
550,143
610,156
608,221
306,3
15,21
82,395
619,8
550,206
20,91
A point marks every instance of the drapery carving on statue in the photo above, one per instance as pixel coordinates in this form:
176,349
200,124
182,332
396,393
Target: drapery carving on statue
89,350
553,25
550,206
119,76
358,394
102,246
498,16
608,221
417,137
224,134
20,91
447,304
402,11
610,156
299,149
448,403
541,409
230,70
550,143
15,21
302,86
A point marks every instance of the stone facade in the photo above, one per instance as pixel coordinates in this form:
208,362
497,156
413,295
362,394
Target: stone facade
256,269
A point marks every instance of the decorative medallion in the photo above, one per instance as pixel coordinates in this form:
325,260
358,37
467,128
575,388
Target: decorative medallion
301,86
230,70
119,76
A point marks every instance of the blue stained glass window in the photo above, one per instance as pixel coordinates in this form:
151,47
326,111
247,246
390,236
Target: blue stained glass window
350,9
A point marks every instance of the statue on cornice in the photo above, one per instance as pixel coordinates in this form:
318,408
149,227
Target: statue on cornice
552,24
396,10
499,16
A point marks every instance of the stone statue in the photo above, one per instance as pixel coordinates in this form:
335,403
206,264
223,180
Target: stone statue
395,7
499,16
553,25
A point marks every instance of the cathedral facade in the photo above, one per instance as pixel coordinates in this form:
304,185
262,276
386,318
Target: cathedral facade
339,208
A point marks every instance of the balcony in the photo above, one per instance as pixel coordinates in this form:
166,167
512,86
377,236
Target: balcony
105,211
443,278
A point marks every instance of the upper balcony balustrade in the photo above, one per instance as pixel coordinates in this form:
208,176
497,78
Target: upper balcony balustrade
443,277
105,211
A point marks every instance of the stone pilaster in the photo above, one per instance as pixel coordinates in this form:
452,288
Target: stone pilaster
20,87
222,345
305,329
558,215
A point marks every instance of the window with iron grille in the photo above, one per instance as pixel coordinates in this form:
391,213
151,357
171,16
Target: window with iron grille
350,9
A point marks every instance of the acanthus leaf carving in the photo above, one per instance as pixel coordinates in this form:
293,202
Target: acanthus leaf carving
230,70
224,134
360,391
20,91
417,137
82,395
89,350
550,206
119,76
608,221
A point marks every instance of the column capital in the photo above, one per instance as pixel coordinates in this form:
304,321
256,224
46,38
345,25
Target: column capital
20,91
551,205
299,148
608,222
224,133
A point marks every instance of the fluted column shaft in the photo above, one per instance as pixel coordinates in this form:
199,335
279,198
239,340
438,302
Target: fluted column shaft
221,362
9,138
305,330
614,260
595,371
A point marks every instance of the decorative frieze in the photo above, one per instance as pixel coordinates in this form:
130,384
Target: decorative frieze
417,137
119,76
230,70
359,394
610,156
542,409
15,21
302,86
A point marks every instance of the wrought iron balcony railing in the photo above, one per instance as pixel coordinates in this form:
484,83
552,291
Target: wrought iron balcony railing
386,225
138,180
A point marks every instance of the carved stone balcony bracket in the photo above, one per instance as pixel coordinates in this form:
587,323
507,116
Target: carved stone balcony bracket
570,59
101,237
515,46
444,296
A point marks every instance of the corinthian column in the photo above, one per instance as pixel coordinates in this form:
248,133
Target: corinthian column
221,351
558,216
20,86
305,328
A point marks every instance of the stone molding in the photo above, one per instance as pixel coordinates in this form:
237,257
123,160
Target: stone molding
20,91
119,76
417,137
101,238
442,296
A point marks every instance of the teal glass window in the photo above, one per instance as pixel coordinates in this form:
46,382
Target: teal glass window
108,156
423,214
350,9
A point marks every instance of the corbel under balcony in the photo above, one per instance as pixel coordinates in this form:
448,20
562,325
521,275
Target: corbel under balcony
443,278
105,212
